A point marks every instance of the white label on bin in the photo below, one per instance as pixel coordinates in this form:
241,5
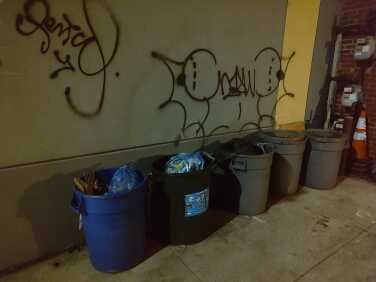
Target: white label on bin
196,203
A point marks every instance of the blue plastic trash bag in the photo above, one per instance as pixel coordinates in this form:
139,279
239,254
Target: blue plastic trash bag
185,163
124,180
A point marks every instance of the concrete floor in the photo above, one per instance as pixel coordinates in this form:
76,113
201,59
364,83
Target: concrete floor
314,236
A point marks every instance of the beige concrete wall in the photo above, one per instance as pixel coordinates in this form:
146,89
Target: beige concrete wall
44,143
43,126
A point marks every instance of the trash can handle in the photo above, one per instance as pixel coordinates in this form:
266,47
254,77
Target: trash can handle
262,145
77,204
239,164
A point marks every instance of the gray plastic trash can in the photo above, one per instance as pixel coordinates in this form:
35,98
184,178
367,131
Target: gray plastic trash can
289,147
323,158
253,173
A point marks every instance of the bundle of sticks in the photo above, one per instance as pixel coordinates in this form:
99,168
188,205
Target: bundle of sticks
89,184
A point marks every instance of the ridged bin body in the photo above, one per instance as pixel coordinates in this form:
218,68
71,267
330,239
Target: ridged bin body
253,173
287,162
323,160
114,228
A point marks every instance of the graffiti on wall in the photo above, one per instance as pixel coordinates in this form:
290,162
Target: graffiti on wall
242,82
74,42
36,18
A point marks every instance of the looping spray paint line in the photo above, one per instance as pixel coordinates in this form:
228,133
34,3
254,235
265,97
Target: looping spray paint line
286,93
240,111
181,105
162,105
103,61
236,85
218,128
183,74
285,71
248,124
273,90
202,129
67,33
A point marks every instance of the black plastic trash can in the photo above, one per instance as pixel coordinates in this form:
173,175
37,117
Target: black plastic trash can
179,204
289,147
225,187
225,190
323,158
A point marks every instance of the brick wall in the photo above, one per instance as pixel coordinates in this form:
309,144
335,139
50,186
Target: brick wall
358,19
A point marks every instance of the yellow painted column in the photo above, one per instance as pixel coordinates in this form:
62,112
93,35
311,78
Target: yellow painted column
300,33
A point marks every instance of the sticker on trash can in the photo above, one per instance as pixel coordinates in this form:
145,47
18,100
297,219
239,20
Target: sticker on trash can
196,203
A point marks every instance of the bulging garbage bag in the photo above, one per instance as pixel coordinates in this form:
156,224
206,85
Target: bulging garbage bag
185,163
124,180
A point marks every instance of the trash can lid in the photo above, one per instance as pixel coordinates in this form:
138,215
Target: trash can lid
325,136
282,135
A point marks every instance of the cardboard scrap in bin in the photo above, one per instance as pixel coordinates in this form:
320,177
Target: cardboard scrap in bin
89,184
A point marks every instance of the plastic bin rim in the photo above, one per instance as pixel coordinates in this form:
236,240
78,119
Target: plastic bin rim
208,167
192,173
283,140
325,140
103,197
314,135
255,156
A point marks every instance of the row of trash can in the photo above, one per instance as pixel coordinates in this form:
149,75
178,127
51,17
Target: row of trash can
237,176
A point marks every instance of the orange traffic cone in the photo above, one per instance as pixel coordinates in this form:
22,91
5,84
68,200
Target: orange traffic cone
359,143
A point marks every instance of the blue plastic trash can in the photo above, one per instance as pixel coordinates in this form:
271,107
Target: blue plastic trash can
114,227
